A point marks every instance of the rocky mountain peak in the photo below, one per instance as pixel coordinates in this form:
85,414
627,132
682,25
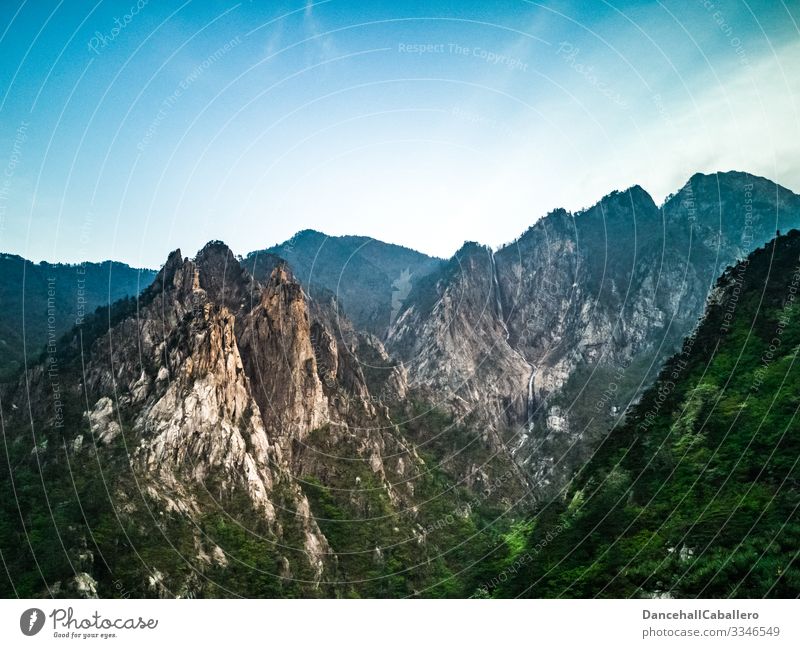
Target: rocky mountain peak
172,267
214,259
470,248
175,284
224,278
281,277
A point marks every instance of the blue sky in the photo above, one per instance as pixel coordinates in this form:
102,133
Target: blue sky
127,131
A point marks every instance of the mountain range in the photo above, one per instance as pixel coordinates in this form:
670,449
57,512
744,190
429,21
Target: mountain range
42,301
336,416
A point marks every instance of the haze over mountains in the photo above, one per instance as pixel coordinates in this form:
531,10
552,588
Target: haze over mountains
30,293
340,416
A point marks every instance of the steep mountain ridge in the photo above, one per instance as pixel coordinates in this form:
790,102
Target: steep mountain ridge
585,308
432,333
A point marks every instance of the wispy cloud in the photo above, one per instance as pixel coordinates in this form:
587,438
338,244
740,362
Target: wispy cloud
313,28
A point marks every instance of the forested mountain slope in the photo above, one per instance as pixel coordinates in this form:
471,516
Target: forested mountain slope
697,493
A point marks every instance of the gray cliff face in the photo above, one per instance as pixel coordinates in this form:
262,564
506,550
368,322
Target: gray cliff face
279,359
550,339
456,344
